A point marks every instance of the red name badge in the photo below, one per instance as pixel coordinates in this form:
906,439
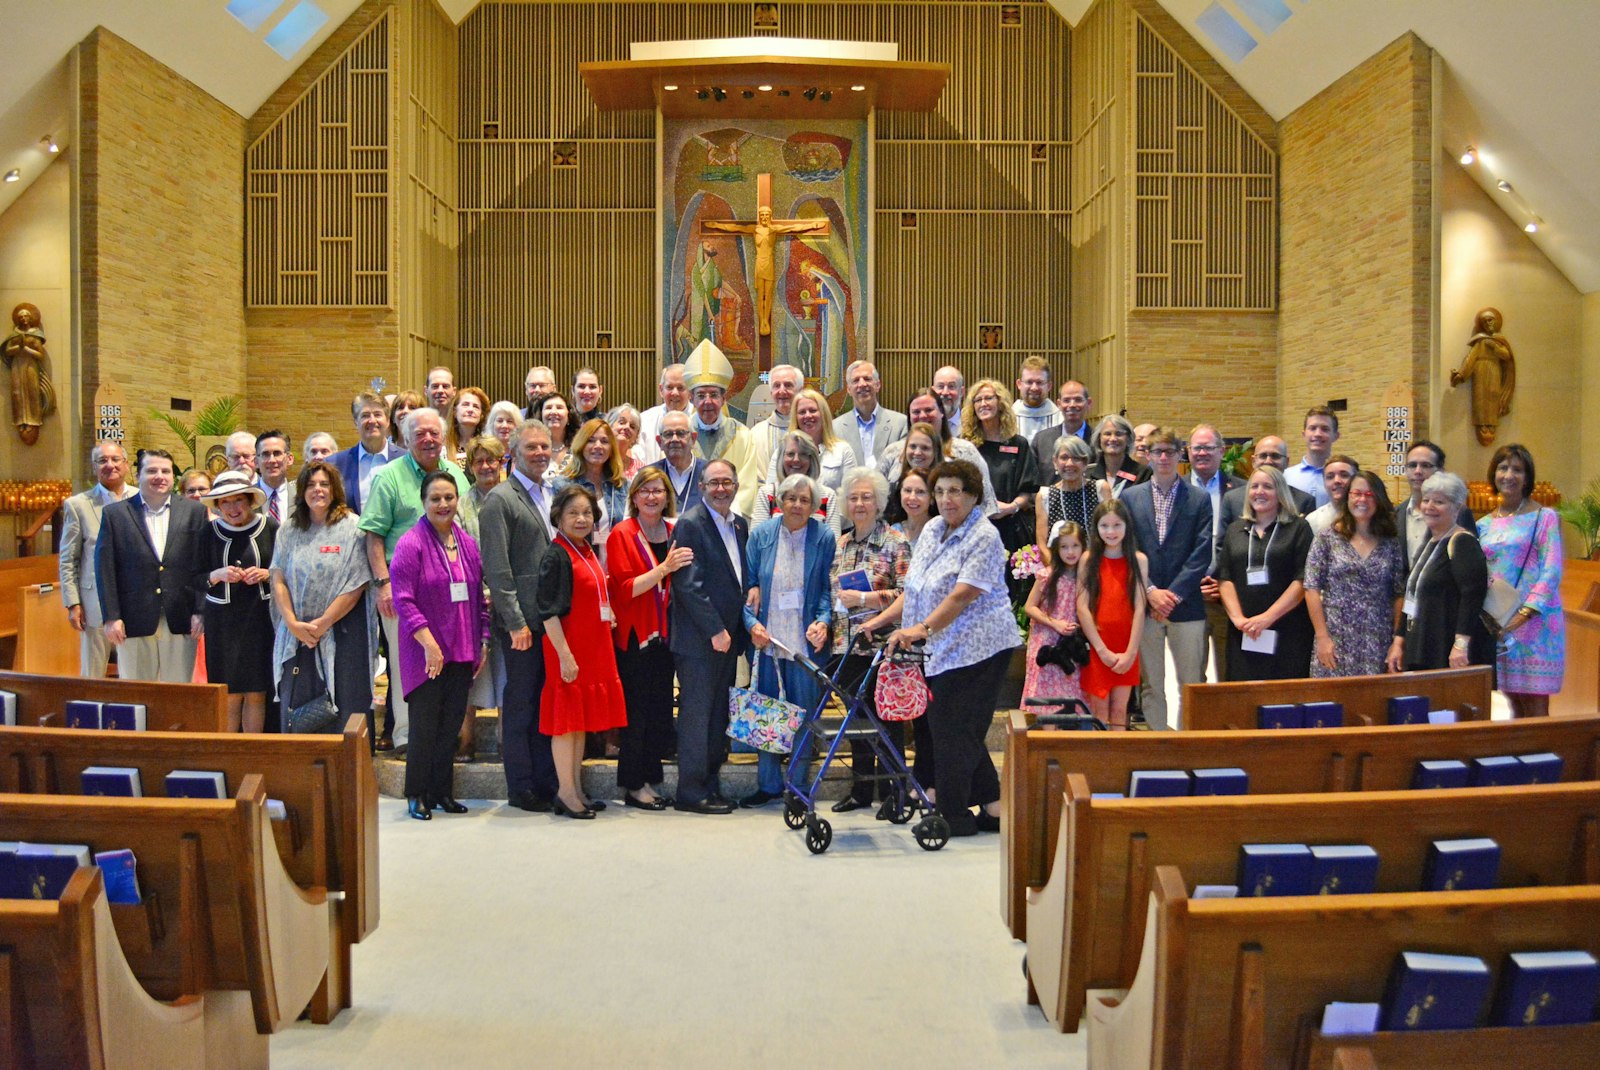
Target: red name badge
1009,449
329,549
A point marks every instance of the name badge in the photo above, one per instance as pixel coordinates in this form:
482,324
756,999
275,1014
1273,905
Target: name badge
606,616
329,549
1009,449
789,600
1409,607
458,591
1256,577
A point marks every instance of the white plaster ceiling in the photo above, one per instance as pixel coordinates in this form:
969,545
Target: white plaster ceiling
1521,84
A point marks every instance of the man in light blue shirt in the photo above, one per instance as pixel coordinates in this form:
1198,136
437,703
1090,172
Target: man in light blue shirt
1321,431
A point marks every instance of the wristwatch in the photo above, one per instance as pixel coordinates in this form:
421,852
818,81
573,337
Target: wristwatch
384,582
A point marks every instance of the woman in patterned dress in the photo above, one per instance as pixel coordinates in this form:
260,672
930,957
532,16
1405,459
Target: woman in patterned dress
1355,580
1073,497
1523,544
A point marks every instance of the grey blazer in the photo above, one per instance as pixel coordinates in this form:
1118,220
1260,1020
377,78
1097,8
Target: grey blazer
80,530
891,427
512,538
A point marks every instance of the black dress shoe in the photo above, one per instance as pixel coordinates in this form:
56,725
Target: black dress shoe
705,806
757,798
564,810
987,822
846,804
720,799
527,800
597,805
449,805
629,799
417,807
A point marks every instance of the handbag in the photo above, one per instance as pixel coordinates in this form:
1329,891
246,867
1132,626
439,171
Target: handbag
1502,600
762,721
303,693
901,693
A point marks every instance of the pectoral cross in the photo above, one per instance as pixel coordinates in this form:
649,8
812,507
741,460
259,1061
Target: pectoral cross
766,231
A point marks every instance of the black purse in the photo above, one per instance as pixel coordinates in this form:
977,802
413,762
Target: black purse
303,694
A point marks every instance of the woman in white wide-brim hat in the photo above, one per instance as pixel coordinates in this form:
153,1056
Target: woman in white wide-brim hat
236,559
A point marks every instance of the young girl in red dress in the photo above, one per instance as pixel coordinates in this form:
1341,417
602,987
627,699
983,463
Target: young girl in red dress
1111,612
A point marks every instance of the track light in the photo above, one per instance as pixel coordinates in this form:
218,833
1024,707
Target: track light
748,93
1503,186
13,175
1532,227
826,96
1469,157
49,143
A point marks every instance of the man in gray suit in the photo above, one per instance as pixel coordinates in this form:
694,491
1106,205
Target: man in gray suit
869,427
79,532
514,533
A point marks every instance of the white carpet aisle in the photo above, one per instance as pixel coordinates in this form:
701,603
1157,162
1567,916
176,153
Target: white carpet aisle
640,939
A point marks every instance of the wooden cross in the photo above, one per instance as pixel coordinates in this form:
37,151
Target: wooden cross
766,231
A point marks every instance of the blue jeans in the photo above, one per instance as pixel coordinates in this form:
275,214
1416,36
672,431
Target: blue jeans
800,688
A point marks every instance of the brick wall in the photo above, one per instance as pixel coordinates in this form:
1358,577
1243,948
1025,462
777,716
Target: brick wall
161,236
1354,285
1219,368
307,364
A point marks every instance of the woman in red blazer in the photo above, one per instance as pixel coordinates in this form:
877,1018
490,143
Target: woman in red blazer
641,559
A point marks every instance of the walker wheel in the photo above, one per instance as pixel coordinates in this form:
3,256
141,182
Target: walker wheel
794,811
932,833
905,806
819,834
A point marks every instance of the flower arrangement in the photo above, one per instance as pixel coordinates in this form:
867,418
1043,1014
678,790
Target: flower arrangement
1027,562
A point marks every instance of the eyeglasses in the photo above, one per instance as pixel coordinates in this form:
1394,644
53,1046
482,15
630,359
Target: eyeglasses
1362,496
1269,456
1424,466
1202,449
1162,451
721,484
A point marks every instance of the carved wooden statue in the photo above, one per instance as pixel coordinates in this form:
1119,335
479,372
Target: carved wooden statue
33,397
1492,368
766,231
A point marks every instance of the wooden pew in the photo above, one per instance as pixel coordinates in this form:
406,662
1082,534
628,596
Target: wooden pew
1232,706
1231,982
1279,763
69,1001
220,911
326,781
170,707
1085,924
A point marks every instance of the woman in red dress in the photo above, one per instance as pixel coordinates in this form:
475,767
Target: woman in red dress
1111,612
582,692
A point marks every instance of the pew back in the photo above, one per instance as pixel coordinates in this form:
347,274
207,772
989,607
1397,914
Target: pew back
1101,882
1228,982
1279,763
17,573
1232,706
171,707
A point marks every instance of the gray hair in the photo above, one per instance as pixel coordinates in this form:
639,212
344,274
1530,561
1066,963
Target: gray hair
627,410
798,481
408,423
1280,487
661,380
1073,446
776,368
502,406
238,435
854,364
1120,423
1448,484
880,485
808,445
305,447
108,444
532,423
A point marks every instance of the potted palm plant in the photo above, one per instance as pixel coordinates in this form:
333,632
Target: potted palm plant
217,420
1583,513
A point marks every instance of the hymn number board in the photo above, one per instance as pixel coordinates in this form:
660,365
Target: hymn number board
1398,429
110,413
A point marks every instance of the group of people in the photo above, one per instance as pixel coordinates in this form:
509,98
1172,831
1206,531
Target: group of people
565,563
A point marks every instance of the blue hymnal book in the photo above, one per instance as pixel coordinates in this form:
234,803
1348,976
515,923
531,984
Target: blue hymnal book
1542,768
120,780
12,886
1323,714
122,881
1547,988
1436,992
276,810
1107,795
1275,869
123,716
82,713
47,867
1499,771
1408,709
1221,782
1461,865
196,784
855,580
8,707
1280,715
1441,773
1158,783
1344,869
1344,1019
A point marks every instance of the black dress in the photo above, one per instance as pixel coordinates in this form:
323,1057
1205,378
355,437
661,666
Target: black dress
1449,585
238,616
1126,476
1012,472
1284,553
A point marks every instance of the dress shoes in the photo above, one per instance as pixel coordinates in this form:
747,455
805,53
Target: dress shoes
447,804
384,743
417,807
585,814
758,798
527,800
988,822
629,799
597,805
708,805
848,803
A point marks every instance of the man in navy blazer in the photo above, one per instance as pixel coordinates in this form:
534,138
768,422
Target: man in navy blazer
1173,523
358,464
684,470
708,634
1205,473
145,566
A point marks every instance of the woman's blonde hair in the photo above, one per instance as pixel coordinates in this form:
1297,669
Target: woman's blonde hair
614,466
827,439
971,429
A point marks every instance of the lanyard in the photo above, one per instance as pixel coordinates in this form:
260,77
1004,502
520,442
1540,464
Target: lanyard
1250,546
1421,566
599,576
659,588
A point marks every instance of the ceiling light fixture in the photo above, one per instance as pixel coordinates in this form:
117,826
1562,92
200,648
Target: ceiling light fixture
858,89
1469,157
1503,186
49,143
1532,228
13,175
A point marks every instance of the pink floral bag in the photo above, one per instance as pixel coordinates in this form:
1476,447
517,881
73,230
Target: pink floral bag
902,694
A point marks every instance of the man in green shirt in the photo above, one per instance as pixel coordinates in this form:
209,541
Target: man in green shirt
393,508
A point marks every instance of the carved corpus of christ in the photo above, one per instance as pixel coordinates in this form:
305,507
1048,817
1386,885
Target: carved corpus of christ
765,231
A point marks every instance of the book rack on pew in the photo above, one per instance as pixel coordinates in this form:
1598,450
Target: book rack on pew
169,707
1232,706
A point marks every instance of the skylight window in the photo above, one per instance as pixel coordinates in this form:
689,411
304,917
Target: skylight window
252,13
1267,14
297,28
1226,33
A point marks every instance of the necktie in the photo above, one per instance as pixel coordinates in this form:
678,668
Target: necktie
272,505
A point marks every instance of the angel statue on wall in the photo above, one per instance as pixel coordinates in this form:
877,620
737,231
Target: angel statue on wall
33,397
1492,368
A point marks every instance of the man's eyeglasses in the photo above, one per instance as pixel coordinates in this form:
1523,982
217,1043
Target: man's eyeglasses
721,484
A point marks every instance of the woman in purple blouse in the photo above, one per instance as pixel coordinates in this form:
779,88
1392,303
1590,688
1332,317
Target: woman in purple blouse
444,638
